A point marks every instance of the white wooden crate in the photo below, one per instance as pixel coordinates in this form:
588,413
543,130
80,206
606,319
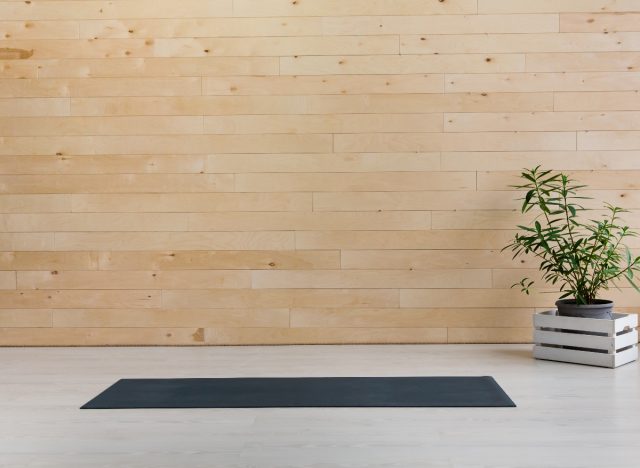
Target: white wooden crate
604,343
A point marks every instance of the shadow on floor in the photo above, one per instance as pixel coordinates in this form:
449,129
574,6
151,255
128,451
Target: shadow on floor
519,353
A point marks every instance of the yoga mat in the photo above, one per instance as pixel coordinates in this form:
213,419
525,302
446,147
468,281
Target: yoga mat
303,392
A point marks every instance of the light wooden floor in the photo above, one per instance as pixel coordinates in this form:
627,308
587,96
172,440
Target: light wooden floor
567,415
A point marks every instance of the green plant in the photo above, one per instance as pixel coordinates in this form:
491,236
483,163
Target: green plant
581,257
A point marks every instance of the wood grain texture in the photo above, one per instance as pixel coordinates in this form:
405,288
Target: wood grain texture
295,172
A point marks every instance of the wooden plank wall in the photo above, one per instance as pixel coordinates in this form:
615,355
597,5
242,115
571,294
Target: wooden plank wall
307,171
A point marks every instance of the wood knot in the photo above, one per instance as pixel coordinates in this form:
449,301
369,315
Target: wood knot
198,335
9,53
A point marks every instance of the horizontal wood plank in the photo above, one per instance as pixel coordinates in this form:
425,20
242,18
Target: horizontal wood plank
100,9
560,6
326,279
354,7
168,318
184,260
123,280
411,318
149,241
261,336
599,22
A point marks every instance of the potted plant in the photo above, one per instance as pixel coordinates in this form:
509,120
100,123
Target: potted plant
581,257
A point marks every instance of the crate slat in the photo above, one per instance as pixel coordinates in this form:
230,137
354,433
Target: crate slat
550,319
567,339
585,357
605,343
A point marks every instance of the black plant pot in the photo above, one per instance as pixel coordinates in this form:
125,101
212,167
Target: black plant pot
601,309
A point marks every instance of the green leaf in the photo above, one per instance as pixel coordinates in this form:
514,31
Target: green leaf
633,284
527,199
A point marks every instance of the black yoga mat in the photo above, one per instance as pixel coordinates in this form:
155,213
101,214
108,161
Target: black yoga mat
303,392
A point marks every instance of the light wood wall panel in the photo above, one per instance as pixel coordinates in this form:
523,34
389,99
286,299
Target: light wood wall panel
599,22
218,172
